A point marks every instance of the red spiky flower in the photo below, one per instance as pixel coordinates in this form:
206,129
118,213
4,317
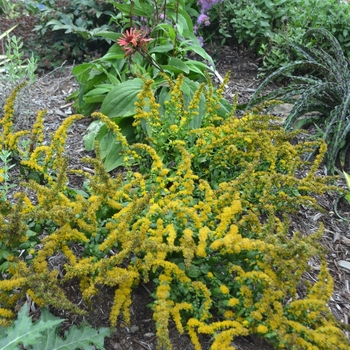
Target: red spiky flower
133,40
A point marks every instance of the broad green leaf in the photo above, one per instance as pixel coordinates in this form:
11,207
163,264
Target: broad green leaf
168,29
120,100
162,48
177,63
193,271
92,131
24,332
108,35
111,150
143,10
197,66
98,94
82,337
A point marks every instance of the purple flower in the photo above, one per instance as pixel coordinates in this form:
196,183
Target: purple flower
206,5
200,40
203,19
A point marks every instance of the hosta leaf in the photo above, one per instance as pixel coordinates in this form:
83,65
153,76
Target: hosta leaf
92,131
119,102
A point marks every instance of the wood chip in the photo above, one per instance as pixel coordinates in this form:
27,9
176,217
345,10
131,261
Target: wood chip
345,241
344,264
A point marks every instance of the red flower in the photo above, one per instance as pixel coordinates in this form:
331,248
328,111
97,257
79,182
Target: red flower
133,40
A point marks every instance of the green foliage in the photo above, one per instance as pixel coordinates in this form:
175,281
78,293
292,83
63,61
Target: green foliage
43,334
7,7
74,24
347,178
170,51
3,58
218,248
110,81
122,106
270,26
16,67
5,157
318,83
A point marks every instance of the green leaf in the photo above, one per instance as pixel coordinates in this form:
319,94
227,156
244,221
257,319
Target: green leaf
193,271
119,102
90,137
43,334
24,332
162,48
347,179
108,35
76,338
177,63
98,94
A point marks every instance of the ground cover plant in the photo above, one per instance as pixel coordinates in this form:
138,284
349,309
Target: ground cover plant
201,209
164,43
217,247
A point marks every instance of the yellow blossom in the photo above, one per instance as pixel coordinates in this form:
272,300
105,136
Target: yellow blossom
224,289
262,329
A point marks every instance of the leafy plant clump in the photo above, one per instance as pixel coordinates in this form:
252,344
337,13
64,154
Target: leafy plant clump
318,83
268,27
168,45
218,248
43,334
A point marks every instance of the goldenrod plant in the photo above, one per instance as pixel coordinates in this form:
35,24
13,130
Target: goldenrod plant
205,219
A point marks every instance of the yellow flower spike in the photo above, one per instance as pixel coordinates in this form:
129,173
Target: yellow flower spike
6,121
4,313
59,140
9,285
193,323
157,165
38,128
11,141
175,313
38,301
32,163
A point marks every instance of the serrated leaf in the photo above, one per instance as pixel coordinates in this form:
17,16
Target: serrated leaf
82,337
24,331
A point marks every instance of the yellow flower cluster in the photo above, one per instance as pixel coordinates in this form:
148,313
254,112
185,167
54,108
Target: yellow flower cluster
208,244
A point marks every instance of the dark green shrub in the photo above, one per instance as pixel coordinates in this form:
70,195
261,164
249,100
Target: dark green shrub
269,27
74,25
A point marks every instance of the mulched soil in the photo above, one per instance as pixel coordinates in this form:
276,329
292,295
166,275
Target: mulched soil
50,92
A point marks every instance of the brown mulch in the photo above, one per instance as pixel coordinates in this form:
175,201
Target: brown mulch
50,92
